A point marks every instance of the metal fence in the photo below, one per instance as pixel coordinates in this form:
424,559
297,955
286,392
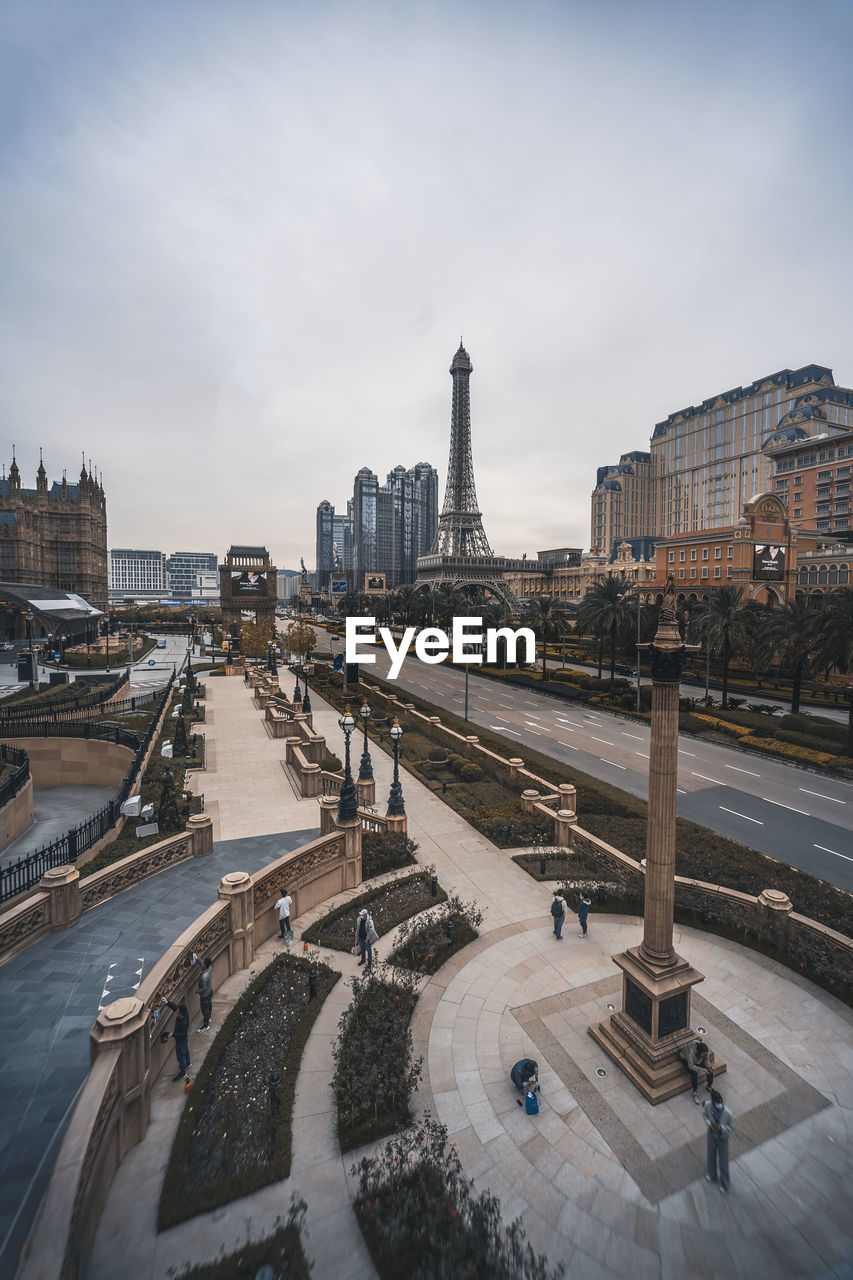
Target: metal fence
26,872
66,706
10,786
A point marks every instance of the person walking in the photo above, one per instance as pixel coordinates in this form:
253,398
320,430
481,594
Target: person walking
283,908
558,911
365,936
205,993
718,1122
583,914
697,1057
180,1035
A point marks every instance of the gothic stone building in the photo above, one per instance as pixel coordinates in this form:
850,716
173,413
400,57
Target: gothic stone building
55,535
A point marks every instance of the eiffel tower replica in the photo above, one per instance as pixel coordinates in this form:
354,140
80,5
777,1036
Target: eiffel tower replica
460,556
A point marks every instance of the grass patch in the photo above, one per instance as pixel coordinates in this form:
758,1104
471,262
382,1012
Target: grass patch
389,905
235,1132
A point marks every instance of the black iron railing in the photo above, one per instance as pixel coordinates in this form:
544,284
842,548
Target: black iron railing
26,872
66,702
10,786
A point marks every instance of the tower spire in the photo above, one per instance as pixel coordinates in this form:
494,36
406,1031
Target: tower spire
460,526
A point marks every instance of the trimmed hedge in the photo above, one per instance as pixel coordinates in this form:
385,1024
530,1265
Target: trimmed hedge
425,945
205,1171
387,905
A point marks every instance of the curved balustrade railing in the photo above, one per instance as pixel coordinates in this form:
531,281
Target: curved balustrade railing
11,785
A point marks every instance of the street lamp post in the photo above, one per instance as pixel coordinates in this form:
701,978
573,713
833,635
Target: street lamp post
639,638
365,772
108,642
396,805
306,697
30,646
297,692
348,798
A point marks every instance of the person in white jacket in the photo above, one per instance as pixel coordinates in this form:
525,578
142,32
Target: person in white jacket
718,1122
365,936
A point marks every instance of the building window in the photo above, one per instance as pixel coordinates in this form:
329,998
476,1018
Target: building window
671,557
729,551
728,571
716,571
798,511
798,497
704,571
681,557
823,475
681,573
693,554
693,573
718,553
7,556
704,553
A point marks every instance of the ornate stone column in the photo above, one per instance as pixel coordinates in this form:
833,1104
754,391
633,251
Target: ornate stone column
124,1024
236,888
647,1035
63,885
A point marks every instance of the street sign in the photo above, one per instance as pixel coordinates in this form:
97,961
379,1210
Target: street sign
151,662
57,657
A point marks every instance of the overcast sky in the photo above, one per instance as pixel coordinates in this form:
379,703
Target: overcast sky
239,243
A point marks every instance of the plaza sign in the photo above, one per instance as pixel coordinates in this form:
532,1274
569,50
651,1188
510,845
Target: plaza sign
432,644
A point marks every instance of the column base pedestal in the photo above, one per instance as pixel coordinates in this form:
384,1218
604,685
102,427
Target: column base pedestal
647,1036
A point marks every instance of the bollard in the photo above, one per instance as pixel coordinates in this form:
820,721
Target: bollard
505,834
434,886
543,864
313,983
705,912
600,892
448,929
444,788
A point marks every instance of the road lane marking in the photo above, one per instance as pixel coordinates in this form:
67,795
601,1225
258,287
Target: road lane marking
686,753
644,754
638,736
567,728
528,704
507,706
739,770
569,745
821,796
779,803
757,821
606,741
611,762
518,731
501,720
824,849
706,779
535,732
680,792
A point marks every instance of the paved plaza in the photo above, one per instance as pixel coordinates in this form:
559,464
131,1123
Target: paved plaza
602,1180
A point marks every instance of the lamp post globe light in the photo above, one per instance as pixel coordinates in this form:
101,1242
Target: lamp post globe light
348,798
306,697
29,617
297,692
365,771
396,806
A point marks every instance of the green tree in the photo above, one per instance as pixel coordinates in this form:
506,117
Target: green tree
834,646
789,633
609,609
254,638
543,615
720,620
299,638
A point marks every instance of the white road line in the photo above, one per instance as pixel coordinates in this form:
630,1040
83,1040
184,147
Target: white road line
518,731
528,704
611,762
834,854
606,741
686,753
680,792
757,821
705,779
569,745
501,720
638,736
821,796
567,728
779,803
507,706
738,770
644,754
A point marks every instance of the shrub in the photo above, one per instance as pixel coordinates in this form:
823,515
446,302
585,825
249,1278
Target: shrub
420,1216
834,730
282,1251
383,851
234,1135
375,1072
331,763
437,755
806,754
424,943
456,763
723,726
388,904
470,773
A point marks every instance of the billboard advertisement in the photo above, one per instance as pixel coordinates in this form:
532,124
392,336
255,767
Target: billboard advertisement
247,583
338,586
768,562
374,583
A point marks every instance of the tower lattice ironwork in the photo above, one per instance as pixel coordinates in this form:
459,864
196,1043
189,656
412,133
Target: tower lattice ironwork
460,526
461,556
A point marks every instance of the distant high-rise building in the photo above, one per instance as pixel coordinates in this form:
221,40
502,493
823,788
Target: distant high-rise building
188,575
141,574
623,501
325,542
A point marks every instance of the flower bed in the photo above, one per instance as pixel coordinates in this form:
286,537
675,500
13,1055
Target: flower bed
423,944
282,1251
234,1135
383,851
420,1217
375,1073
389,904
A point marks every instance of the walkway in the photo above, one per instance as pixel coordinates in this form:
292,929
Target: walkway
603,1181
55,809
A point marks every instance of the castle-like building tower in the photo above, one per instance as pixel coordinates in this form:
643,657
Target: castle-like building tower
56,534
460,555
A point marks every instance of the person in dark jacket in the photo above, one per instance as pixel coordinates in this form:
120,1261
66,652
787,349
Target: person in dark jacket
525,1075
698,1058
583,914
558,911
719,1127
180,1034
205,993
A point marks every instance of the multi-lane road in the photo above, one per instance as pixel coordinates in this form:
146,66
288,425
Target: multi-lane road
800,817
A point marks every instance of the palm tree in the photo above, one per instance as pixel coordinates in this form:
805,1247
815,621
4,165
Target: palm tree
834,646
447,603
720,621
542,614
789,633
609,609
